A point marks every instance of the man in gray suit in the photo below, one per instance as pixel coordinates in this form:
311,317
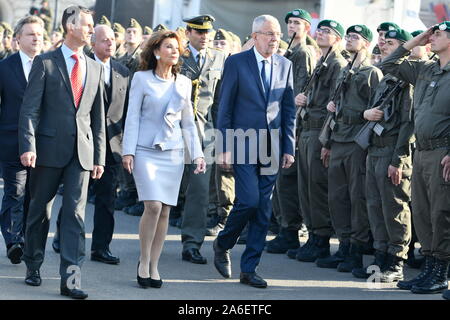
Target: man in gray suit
62,137
204,67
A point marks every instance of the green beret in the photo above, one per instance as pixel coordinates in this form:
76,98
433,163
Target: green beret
416,33
399,34
283,45
221,34
298,13
336,26
443,26
160,27
362,30
118,28
387,26
147,31
200,23
104,20
134,24
376,50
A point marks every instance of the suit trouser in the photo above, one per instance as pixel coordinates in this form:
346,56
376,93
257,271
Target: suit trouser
288,199
431,203
276,211
44,182
346,192
193,226
105,197
225,191
313,184
387,206
15,201
253,206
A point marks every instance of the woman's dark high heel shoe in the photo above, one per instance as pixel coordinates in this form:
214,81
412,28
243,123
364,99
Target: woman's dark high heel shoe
143,282
155,283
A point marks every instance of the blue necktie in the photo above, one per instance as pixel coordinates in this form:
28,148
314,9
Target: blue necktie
264,78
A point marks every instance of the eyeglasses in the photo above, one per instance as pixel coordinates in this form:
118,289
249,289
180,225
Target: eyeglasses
352,37
271,34
325,31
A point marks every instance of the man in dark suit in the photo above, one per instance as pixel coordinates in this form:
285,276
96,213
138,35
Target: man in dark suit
257,121
115,98
14,73
62,137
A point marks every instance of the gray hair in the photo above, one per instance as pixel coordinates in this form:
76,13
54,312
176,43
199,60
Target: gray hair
260,20
93,37
27,20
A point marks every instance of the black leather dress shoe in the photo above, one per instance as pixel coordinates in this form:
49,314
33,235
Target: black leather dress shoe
222,260
104,256
73,293
252,279
15,253
55,246
33,278
194,256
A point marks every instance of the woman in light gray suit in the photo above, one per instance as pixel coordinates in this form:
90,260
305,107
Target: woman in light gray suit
159,123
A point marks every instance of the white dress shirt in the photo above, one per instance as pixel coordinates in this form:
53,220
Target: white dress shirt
70,62
106,69
259,59
27,62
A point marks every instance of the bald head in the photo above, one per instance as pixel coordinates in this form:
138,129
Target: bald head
103,42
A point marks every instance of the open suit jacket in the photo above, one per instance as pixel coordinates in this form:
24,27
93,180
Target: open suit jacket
49,123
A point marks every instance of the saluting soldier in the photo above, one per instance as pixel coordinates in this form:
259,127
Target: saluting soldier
389,156
431,174
312,169
292,198
346,171
203,66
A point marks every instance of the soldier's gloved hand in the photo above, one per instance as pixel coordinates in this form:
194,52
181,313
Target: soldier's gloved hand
331,106
446,170
395,174
373,114
300,100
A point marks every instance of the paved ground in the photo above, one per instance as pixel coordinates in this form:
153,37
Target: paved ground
288,279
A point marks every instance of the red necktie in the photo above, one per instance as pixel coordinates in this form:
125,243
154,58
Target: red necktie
75,80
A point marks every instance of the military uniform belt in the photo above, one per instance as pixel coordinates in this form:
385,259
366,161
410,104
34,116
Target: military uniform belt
433,144
382,142
351,120
312,124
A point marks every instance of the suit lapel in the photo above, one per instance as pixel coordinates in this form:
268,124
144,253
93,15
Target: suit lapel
18,69
59,59
192,64
87,85
251,59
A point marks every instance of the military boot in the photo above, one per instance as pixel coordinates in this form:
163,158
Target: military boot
426,272
393,271
446,295
379,261
306,246
354,260
287,239
436,282
320,248
214,231
333,260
